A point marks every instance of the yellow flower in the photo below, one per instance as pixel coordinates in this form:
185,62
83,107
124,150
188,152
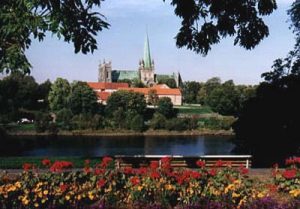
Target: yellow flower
79,197
168,187
36,205
40,194
43,201
260,195
235,195
140,188
67,197
18,184
45,192
295,192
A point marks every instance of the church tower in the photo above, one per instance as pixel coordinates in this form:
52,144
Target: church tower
104,74
146,65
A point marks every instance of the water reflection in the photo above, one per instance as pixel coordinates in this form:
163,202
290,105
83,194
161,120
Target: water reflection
98,146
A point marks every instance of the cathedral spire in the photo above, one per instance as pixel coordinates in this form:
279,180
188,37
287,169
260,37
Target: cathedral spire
147,56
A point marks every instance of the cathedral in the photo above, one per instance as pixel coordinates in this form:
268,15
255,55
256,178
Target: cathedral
145,73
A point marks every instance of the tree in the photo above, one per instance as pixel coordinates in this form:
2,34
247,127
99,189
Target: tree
165,107
190,91
169,82
269,122
17,92
224,99
137,123
82,98
59,94
24,20
205,23
42,94
127,100
152,97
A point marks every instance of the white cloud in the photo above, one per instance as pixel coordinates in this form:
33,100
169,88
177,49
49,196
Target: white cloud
285,1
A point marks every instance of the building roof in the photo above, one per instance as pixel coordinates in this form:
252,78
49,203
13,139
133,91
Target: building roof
118,75
104,85
103,96
147,56
159,91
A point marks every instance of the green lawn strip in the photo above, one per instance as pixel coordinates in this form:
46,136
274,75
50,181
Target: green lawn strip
17,162
193,110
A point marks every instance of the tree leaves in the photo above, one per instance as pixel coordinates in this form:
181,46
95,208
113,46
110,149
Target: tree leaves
24,20
206,22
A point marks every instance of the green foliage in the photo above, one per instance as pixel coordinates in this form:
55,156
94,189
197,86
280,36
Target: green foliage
165,107
23,20
176,124
158,121
169,82
271,117
190,91
224,99
42,122
82,99
59,94
128,101
137,123
152,97
205,23
136,83
217,123
63,118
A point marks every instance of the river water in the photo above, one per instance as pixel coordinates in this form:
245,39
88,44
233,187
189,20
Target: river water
117,145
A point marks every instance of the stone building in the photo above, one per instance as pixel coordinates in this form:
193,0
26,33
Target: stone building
145,73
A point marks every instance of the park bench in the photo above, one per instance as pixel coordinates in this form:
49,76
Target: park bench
179,161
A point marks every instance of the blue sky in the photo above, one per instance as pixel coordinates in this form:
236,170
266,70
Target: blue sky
123,45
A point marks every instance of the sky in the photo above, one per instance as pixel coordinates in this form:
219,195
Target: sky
123,43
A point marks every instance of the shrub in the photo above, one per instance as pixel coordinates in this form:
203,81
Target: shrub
176,124
137,123
42,121
158,121
63,118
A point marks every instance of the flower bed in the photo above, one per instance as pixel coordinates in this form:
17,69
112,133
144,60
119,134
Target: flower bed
156,186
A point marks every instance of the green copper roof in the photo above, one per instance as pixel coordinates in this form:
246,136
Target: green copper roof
118,75
147,56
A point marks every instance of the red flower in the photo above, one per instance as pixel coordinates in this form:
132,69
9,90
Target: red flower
99,171
219,163
166,163
106,161
244,170
155,175
58,166
212,172
27,166
87,161
46,162
135,180
63,187
289,174
128,170
141,171
200,163
87,169
101,183
195,174
289,161
154,165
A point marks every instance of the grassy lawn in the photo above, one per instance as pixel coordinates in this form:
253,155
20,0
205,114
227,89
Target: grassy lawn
191,109
17,162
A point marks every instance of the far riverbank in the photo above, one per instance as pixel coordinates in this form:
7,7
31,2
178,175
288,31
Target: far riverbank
204,132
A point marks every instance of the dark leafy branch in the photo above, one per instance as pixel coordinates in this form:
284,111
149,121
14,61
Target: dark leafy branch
22,20
206,22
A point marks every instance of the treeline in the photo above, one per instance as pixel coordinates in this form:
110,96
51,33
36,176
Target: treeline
73,106
225,98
